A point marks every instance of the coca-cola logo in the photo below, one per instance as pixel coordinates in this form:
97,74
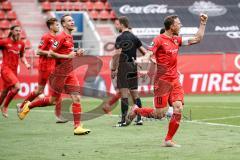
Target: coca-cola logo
149,9
208,7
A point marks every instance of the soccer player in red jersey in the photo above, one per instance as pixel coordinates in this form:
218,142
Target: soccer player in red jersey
167,87
12,48
62,50
46,66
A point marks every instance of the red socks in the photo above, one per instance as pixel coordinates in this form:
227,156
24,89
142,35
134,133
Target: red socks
76,110
30,98
145,112
10,96
114,99
41,103
173,125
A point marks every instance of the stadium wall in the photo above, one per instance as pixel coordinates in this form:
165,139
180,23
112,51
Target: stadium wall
200,74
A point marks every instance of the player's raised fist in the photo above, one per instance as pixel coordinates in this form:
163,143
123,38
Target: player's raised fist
203,18
80,52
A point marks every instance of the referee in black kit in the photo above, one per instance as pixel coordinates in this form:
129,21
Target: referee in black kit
127,45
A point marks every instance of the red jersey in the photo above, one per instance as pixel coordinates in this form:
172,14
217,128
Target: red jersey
46,63
165,50
11,52
63,44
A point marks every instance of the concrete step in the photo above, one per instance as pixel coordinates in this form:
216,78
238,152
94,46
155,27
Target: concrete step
30,15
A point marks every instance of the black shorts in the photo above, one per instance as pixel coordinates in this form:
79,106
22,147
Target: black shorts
127,76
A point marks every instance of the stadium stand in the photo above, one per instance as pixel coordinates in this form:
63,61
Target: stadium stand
222,32
8,18
98,10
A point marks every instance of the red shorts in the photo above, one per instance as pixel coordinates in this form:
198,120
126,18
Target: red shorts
43,77
71,84
167,92
9,77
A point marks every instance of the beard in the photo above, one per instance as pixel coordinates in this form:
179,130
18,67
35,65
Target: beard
16,38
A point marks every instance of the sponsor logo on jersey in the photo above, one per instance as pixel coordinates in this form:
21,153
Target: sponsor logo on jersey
55,44
176,42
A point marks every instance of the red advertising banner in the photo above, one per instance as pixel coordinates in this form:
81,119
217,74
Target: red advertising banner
200,74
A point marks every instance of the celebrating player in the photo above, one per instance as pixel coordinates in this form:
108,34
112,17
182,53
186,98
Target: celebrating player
167,87
62,50
12,48
46,66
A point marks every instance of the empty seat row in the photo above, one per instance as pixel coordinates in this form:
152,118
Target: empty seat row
78,6
6,24
8,18
10,15
102,15
71,0
6,5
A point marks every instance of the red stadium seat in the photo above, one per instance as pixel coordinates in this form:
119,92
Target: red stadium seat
93,0
6,6
112,15
89,6
104,15
6,32
103,1
1,34
62,0
69,6
94,14
5,24
2,15
73,0
59,7
65,6
11,15
108,6
28,44
46,6
15,22
52,0
99,6
79,6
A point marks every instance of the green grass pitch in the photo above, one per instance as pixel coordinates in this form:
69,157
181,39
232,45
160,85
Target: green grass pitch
213,133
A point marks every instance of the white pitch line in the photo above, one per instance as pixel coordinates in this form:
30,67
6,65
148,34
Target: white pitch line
213,124
221,118
194,121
